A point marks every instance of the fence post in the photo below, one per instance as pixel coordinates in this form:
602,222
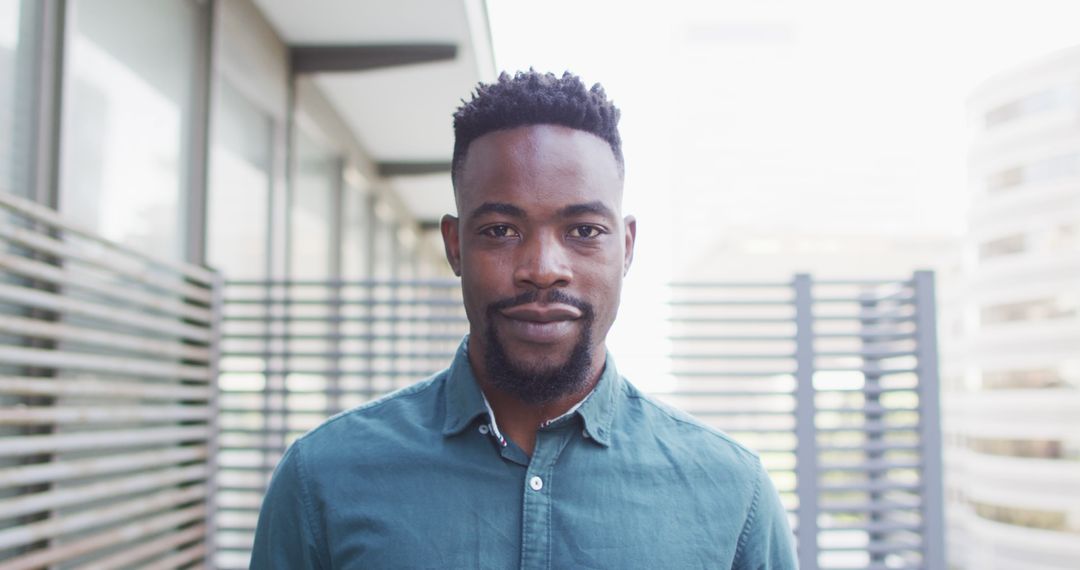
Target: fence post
217,307
806,469
929,422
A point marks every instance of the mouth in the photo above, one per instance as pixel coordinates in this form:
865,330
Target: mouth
541,324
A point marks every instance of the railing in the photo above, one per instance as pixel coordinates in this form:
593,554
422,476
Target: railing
833,383
107,400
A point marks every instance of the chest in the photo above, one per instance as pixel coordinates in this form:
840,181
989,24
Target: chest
585,507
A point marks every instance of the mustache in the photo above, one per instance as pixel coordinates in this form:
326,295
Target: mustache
533,296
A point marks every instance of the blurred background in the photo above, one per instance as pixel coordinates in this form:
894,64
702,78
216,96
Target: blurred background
858,252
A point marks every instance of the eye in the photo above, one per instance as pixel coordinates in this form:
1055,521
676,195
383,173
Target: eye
586,232
499,231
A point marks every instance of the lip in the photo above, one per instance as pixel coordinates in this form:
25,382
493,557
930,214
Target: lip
536,313
541,324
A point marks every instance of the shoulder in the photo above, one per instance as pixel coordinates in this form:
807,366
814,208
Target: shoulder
409,412
683,431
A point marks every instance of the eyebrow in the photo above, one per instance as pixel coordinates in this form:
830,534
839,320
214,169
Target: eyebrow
598,208
498,208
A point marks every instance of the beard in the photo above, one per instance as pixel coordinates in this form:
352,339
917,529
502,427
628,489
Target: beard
547,382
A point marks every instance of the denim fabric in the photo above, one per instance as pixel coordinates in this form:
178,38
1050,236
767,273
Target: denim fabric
417,479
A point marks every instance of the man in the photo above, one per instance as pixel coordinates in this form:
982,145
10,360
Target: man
530,451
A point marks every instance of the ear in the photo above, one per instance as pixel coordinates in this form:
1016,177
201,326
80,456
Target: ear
449,228
631,233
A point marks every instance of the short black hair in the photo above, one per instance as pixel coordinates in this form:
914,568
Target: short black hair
533,98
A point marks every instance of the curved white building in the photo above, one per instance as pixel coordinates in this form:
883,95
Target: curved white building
1012,406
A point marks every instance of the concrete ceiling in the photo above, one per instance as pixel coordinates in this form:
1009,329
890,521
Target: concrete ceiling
399,114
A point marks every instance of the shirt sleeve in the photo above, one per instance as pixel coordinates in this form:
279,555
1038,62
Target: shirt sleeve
286,536
766,542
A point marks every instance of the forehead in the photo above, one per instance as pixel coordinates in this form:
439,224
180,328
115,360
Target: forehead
539,166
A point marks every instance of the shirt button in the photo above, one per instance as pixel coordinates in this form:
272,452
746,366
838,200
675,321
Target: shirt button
484,429
536,483
585,433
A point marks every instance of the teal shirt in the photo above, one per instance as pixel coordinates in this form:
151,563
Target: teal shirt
418,479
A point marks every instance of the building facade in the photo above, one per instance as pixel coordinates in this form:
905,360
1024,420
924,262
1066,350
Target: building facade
1011,330
157,158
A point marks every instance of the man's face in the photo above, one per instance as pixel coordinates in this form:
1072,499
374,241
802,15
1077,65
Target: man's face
541,248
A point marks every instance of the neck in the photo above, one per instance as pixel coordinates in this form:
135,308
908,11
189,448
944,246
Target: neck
519,421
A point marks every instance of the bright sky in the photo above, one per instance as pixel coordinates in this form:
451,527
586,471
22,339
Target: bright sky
798,117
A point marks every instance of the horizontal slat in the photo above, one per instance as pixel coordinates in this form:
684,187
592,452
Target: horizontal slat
868,409
66,497
44,358
875,526
339,355
730,285
869,335
179,559
879,486
141,275
873,465
872,428
866,506
53,415
902,297
869,370
232,284
103,465
59,526
53,443
50,217
112,537
33,386
274,336
343,319
441,302
59,303
731,356
871,316
732,338
870,447
865,353
887,547
731,373
731,302
21,326
70,279
144,549
733,320
418,375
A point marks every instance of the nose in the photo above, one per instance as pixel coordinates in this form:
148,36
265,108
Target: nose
544,263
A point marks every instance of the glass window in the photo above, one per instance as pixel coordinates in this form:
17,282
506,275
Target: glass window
1039,172
239,189
18,66
1002,246
1035,448
312,209
355,233
1030,518
1060,97
1034,310
131,72
1022,379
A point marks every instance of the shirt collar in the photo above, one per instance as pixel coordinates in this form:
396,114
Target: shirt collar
464,400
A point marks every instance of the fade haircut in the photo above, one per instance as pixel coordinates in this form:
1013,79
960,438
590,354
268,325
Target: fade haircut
532,98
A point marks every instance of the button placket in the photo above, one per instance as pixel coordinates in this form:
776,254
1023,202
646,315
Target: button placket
537,504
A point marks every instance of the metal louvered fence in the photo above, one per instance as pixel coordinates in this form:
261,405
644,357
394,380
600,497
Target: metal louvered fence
297,352
107,400
834,383
117,449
